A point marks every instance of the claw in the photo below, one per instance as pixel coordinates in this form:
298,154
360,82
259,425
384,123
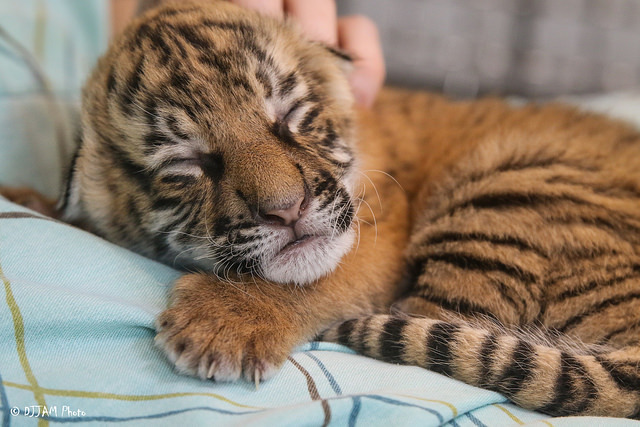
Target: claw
212,370
256,378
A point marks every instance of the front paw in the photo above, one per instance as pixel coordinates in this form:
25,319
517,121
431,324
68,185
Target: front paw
223,331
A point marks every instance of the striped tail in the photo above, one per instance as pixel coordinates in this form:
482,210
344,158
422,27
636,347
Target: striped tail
533,376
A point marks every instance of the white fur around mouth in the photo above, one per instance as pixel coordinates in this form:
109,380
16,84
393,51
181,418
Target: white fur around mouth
308,259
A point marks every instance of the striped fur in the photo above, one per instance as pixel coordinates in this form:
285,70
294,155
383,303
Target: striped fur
532,375
526,231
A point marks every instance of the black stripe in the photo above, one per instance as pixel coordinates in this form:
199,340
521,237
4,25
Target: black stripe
281,131
597,308
392,340
222,226
181,81
189,109
172,124
452,236
193,37
625,328
628,379
286,85
156,37
509,294
563,390
361,343
513,165
156,139
339,53
132,86
305,125
520,371
618,190
566,392
264,81
180,216
456,305
487,351
194,220
216,61
466,261
508,200
439,352
132,169
344,331
595,284
241,82
111,80
163,203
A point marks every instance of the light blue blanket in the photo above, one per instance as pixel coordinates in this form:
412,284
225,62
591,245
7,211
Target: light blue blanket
76,335
76,317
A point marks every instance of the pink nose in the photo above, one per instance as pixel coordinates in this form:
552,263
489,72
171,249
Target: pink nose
286,216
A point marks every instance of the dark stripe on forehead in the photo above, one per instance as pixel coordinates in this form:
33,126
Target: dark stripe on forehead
156,38
286,86
263,79
132,86
217,61
181,81
193,36
239,81
250,45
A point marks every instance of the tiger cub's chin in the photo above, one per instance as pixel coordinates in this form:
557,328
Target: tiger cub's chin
307,260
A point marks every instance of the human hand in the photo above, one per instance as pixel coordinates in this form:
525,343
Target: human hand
355,34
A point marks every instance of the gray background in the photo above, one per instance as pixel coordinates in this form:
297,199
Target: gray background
536,48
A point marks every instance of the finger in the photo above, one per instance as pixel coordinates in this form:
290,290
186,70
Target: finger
267,7
359,36
317,18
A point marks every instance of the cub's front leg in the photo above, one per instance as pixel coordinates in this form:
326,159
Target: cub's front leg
218,330
222,331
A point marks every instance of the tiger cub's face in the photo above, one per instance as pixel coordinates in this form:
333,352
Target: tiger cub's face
218,139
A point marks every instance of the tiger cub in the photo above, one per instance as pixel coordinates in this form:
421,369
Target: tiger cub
222,141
